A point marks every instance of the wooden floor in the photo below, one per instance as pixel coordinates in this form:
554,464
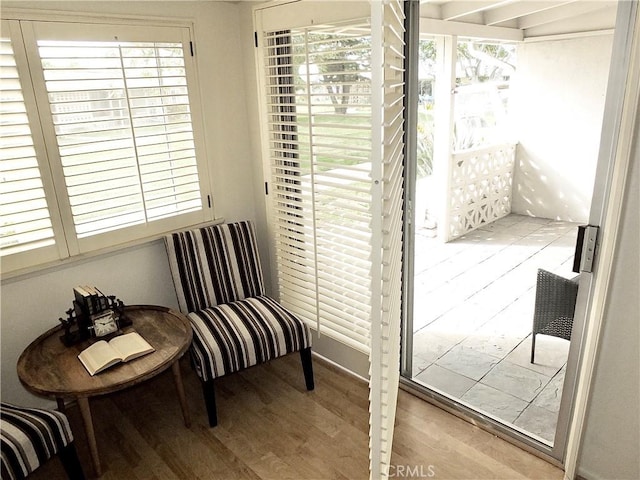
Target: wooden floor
270,427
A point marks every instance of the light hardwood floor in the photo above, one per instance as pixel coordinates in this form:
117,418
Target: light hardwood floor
270,427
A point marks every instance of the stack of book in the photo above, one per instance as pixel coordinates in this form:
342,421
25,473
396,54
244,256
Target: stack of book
89,300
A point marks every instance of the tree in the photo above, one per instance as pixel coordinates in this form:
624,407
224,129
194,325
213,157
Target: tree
485,61
341,62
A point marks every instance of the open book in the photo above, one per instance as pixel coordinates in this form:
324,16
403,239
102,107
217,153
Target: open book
102,355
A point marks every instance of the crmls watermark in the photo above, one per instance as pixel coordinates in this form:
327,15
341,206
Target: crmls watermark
412,471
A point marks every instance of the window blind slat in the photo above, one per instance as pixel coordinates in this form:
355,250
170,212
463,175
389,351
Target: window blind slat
7,208
345,322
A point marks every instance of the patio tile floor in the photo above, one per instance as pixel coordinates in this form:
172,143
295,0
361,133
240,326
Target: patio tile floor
473,310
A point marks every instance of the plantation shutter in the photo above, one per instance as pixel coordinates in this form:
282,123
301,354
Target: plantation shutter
334,104
26,220
121,117
387,23
319,116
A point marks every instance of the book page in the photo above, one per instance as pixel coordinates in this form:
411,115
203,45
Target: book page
130,346
99,356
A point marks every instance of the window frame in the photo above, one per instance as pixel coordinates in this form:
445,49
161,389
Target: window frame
20,30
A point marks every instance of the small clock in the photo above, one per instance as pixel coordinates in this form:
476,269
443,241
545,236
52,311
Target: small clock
104,323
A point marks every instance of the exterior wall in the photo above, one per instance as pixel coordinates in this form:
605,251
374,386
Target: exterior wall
32,303
558,102
612,434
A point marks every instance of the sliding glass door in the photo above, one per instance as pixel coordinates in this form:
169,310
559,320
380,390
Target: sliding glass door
491,283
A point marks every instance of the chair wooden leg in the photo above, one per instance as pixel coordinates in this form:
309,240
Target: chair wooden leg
210,401
69,458
307,367
533,347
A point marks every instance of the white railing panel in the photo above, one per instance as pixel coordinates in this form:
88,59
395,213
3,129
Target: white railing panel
480,183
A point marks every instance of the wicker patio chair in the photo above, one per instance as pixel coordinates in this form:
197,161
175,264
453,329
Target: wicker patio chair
554,308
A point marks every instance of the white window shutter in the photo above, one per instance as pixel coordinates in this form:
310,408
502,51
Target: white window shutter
387,24
319,116
123,128
99,138
335,151
27,225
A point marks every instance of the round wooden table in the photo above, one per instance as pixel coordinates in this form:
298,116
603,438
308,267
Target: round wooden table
47,367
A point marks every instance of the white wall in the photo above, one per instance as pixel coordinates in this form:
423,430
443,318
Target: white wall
253,126
611,445
31,304
558,102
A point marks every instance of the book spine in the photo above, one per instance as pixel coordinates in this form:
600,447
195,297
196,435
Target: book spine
83,297
93,299
104,301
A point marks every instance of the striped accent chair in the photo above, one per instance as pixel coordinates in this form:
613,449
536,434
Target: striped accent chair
219,284
31,436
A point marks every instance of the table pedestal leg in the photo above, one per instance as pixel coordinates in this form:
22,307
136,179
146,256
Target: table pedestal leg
85,411
177,377
61,406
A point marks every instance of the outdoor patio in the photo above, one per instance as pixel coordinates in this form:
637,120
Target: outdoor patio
473,311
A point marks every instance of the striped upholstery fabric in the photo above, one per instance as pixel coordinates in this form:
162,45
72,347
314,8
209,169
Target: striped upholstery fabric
215,265
218,279
238,335
30,436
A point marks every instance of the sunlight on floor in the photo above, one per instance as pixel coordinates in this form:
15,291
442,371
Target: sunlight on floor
473,313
